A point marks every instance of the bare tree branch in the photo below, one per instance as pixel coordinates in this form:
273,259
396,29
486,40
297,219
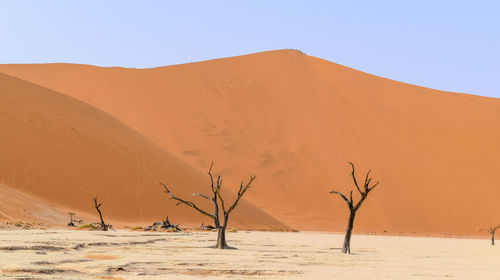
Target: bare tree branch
367,180
353,176
343,197
492,230
376,184
182,201
201,195
360,202
241,192
221,202
211,177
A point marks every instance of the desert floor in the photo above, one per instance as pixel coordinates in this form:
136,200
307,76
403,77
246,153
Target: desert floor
67,254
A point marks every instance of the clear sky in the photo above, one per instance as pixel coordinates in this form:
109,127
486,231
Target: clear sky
447,45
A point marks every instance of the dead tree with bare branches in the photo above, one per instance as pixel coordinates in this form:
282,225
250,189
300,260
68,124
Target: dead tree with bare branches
218,203
354,207
97,206
492,231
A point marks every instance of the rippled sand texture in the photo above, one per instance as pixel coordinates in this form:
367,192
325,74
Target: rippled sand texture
260,255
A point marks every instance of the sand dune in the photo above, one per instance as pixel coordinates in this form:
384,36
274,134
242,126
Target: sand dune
296,121
60,152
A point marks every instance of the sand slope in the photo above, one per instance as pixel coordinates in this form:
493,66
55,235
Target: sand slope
297,120
63,151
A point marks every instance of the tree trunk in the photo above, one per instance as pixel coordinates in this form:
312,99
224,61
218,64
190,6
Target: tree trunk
103,224
346,249
221,238
493,239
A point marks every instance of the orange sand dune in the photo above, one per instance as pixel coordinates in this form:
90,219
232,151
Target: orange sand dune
297,120
64,151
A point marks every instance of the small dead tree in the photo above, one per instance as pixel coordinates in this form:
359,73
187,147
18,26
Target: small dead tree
354,207
492,231
97,206
71,219
218,203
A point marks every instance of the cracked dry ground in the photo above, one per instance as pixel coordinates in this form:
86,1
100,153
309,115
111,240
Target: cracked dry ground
69,254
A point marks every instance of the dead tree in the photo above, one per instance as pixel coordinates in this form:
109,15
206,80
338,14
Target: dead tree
492,231
206,227
97,205
71,219
218,203
354,207
167,225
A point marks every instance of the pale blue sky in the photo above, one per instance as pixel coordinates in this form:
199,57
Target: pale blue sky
448,45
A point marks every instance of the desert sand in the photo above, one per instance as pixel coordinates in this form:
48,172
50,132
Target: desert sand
58,153
64,254
293,119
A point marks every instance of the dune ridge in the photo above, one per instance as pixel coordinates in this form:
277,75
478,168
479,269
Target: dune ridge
297,120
